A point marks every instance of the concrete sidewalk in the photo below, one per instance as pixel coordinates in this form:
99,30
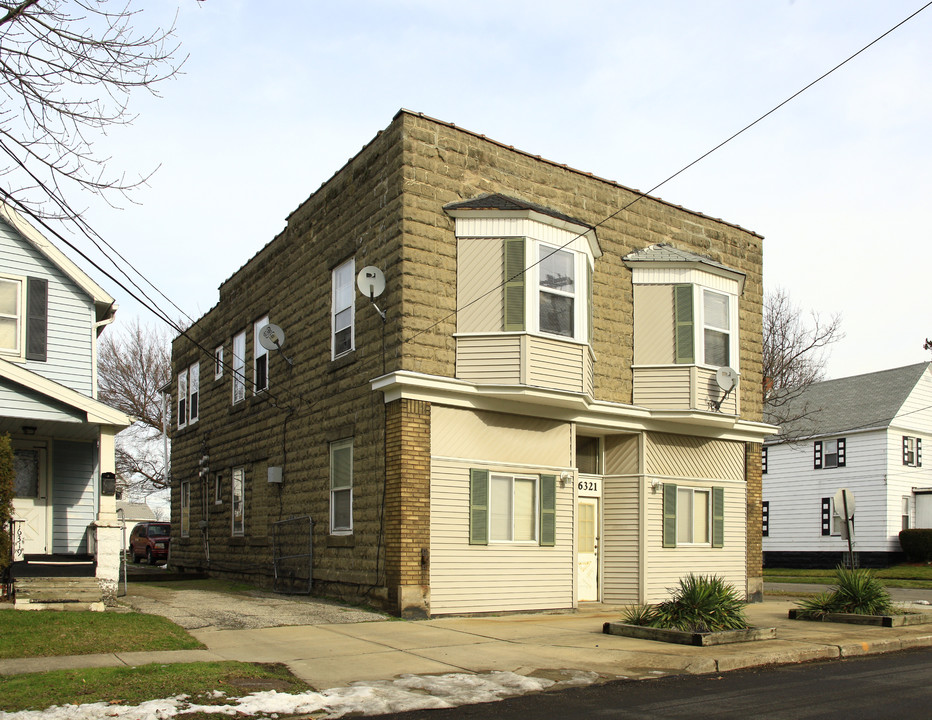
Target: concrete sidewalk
549,645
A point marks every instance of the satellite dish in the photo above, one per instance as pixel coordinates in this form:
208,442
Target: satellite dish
370,281
271,337
726,378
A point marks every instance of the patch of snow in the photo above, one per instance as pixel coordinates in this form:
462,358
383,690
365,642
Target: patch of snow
408,692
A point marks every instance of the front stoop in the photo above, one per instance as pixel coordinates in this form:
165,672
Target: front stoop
680,637
58,593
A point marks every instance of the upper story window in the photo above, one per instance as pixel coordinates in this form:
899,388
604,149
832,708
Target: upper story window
522,268
189,385
912,451
11,302
239,367
182,399
685,308
343,299
828,454
218,362
260,364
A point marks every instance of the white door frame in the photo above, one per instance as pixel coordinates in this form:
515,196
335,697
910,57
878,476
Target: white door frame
589,492
33,536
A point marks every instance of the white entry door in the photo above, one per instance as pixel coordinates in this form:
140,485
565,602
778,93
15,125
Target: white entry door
587,550
30,500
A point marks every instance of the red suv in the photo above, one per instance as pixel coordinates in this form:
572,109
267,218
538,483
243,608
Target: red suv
150,540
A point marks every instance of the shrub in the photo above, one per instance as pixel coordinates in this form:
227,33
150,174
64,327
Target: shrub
855,591
699,604
917,544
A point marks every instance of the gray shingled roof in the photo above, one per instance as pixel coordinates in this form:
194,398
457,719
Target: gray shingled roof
495,201
664,252
851,403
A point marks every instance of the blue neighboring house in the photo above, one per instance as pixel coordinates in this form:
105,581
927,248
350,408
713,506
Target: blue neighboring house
51,314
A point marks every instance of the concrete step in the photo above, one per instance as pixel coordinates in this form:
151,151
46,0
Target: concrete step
78,591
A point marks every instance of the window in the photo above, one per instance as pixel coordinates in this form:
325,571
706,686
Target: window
194,385
827,454
693,519
10,313
833,521
185,508
341,486
26,473
260,365
218,489
343,308
238,487
511,508
557,299
218,362
239,367
912,451
904,525
763,461
693,516
715,343
182,399
765,518
556,277
588,455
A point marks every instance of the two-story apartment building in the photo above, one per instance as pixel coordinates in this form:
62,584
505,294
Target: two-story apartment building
862,433
527,417
51,314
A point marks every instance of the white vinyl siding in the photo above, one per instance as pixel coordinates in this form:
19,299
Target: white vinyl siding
70,332
620,539
499,576
677,387
793,485
668,565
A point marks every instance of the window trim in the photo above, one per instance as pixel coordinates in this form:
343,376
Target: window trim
912,451
239,367
716,516
218,362
259,354
335,287
818,454
479,509
18,317
194,393
691,516
336,446
690,325
513,480
218,489
238,477
182,399
906,512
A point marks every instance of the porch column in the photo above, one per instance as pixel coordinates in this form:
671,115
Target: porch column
407,506
108,528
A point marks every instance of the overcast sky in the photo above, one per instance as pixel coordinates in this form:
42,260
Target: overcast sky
276,95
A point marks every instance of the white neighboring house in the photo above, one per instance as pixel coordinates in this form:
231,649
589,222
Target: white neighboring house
864,433
51,314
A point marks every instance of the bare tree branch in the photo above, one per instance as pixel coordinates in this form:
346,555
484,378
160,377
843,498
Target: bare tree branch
67,71
134,364
794,357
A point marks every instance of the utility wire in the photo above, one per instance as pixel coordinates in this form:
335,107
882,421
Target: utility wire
641,195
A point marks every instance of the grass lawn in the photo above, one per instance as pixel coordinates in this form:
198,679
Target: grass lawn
43,633
133,685
899,576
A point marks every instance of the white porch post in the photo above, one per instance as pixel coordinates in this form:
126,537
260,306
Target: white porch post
108,527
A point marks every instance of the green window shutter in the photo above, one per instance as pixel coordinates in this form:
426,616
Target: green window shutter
478,507
589,299
718,517
548,510
514,267
683,323
669,515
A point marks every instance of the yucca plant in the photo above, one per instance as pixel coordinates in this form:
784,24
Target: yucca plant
856,591
638,614
701,603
